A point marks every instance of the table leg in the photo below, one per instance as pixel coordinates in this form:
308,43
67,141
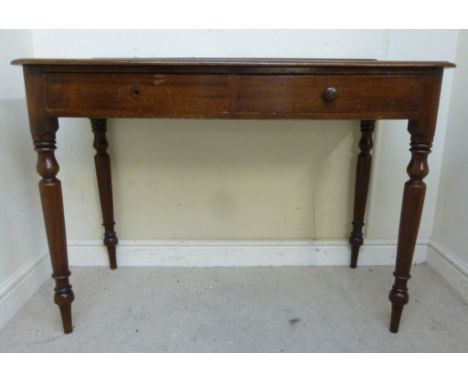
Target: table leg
361,190
411,211
52,207
103,173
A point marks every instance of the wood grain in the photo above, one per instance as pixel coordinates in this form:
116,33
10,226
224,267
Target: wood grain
232,96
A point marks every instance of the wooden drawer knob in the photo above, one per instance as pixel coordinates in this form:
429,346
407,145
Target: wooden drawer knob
330,94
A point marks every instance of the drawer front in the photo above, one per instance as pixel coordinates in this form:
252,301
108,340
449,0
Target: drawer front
157,95
351,94
234,96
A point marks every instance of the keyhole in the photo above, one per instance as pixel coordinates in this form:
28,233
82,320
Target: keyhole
136,92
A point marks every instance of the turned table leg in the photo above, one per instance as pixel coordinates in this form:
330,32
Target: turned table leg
103,173
362,186
52,207
411,211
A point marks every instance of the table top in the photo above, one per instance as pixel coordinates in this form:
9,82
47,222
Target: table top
230,62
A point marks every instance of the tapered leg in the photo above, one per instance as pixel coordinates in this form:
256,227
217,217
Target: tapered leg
412,206
103,173
52,206
362,185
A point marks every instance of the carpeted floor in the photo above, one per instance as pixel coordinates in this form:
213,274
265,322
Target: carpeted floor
283,309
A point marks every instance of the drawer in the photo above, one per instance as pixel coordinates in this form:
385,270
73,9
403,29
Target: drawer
157,95
233,96
323,94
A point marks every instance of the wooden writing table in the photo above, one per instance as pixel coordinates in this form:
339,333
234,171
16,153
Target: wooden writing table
365,90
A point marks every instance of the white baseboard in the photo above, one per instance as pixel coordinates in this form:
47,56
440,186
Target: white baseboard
21,285
223,253
450,267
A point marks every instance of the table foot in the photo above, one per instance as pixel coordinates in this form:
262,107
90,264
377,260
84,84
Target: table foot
65,313
354,253
397,310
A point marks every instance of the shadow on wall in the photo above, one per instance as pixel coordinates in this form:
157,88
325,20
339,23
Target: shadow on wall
215,179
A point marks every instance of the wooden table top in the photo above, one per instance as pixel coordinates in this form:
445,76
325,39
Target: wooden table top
244,62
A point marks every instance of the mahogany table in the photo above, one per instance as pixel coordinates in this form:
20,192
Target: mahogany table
365,90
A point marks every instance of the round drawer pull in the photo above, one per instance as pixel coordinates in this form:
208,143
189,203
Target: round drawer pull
330,94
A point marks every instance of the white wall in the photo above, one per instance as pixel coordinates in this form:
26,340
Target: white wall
450,234
22,236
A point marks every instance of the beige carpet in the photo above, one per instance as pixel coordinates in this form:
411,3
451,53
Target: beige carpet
288,309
